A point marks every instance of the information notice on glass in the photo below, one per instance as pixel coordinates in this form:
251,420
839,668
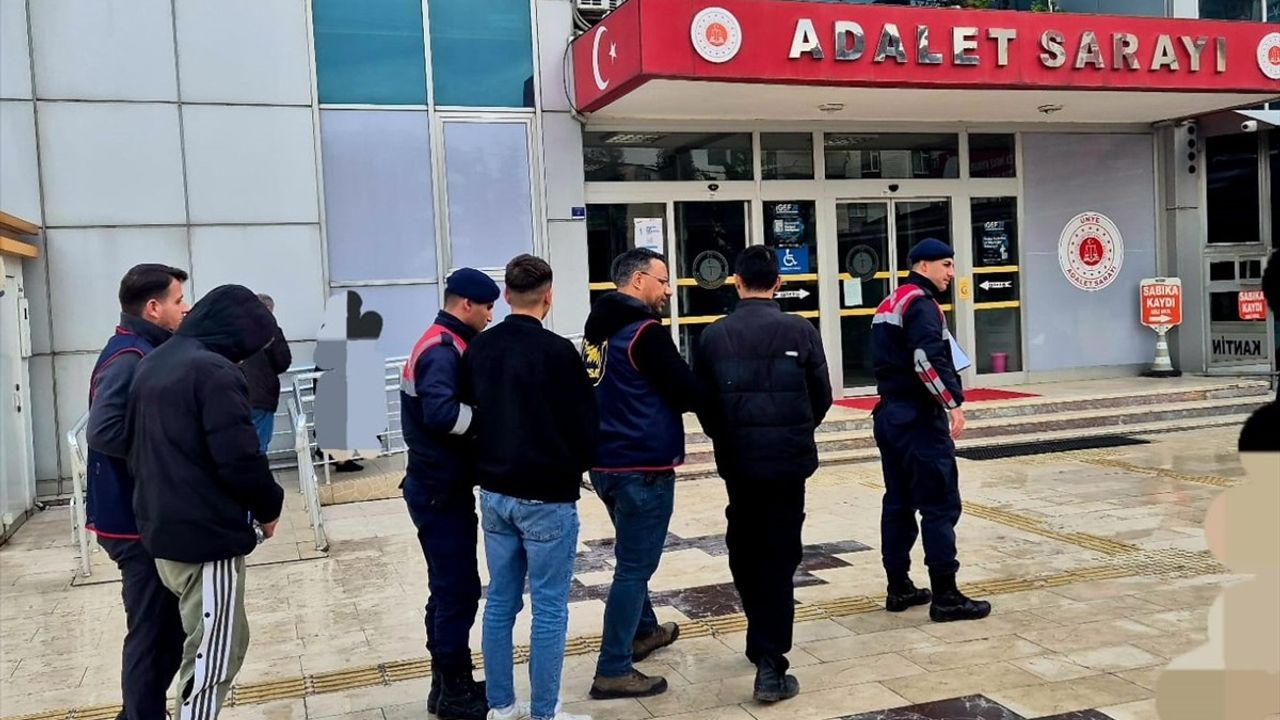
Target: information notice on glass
649,234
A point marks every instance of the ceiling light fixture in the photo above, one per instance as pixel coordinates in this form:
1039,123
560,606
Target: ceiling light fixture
831,107
1049,109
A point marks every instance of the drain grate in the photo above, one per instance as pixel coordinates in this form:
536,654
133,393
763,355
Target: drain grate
999,452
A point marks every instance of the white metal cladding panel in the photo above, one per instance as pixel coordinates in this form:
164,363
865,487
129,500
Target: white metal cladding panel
19,178
111,164
85,267
244,51
104,49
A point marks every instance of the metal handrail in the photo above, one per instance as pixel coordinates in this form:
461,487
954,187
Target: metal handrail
299,406
79,473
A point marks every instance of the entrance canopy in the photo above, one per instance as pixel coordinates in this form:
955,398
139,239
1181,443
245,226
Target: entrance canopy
783,60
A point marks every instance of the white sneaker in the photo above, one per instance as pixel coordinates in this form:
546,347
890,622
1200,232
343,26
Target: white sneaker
515,711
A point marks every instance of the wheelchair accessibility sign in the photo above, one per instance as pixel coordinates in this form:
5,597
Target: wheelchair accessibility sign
793,260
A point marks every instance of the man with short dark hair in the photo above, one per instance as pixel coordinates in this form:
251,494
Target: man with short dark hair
535,427
437,489
202,483
642,386
917,420
262,371
771,386
151,308
1260,433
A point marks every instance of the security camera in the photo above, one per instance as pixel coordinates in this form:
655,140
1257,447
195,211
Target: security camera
1249,126
893,188
713,187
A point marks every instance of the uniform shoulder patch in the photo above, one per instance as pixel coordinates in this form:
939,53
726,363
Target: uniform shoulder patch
595,356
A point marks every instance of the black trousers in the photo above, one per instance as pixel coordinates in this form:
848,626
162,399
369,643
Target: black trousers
447,532
765,520
918,457
154,639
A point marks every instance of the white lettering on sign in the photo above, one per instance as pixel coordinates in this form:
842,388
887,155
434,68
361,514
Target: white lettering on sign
1124,52
805,40
1161,300
797,294
1119,51
996,285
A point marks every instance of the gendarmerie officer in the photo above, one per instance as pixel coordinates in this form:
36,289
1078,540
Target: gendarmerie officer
916,423
438,489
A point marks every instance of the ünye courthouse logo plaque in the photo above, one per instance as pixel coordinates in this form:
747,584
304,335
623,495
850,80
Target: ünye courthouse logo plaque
1091,251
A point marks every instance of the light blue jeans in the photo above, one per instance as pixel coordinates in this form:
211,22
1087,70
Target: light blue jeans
538,540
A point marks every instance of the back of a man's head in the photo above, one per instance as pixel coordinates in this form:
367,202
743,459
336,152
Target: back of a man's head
146,282
635,260
1271,283
757,269
528,278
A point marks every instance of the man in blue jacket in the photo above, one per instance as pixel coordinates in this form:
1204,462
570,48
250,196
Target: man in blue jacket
151,307
642,386
438,489
917,420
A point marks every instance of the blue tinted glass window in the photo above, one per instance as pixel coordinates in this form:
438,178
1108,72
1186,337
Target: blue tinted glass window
481,54
370,52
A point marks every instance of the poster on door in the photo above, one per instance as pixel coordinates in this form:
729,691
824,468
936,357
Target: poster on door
649,234
995,243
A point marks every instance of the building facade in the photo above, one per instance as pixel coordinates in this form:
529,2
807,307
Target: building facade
308,147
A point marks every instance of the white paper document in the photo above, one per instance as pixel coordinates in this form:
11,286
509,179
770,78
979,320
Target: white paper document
958,357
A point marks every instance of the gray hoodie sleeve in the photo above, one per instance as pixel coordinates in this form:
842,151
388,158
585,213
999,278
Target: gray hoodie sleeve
107,432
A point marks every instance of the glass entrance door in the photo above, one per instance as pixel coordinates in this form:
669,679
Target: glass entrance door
709,237
873,240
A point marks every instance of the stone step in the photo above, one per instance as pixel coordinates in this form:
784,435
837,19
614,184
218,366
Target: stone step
1039,406
859,446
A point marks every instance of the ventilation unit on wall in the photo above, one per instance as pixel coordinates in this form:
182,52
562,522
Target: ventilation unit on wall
597,8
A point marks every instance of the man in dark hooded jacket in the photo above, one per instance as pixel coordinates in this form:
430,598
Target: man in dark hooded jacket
201,481
642,386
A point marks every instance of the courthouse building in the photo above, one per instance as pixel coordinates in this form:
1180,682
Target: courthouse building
309,147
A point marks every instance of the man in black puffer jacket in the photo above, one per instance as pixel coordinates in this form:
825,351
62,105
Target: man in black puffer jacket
201,481
769,375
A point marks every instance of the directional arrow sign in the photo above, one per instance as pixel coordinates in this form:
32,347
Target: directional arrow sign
993,285
801,294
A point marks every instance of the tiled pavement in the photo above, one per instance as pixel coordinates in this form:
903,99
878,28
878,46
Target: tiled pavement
1094,562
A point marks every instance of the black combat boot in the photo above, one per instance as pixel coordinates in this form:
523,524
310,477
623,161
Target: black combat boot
433,695
773,684
904,594
461,697
949,604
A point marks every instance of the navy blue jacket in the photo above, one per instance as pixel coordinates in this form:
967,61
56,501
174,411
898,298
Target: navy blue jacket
110,486
435,423
642,386
911,348
200,473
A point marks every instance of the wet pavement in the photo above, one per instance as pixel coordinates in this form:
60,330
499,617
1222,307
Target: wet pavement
1094,560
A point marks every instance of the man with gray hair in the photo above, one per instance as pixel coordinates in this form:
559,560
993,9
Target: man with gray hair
262,372
642,387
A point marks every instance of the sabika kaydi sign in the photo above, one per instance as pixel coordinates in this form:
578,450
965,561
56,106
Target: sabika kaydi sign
970,46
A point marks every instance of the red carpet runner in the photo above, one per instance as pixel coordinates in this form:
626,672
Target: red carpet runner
970,395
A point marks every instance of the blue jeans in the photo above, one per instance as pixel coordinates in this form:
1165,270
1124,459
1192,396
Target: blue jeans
639,505
540,540
264,421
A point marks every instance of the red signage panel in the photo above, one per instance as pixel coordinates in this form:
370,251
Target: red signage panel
1252,305
818,43
1161,302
